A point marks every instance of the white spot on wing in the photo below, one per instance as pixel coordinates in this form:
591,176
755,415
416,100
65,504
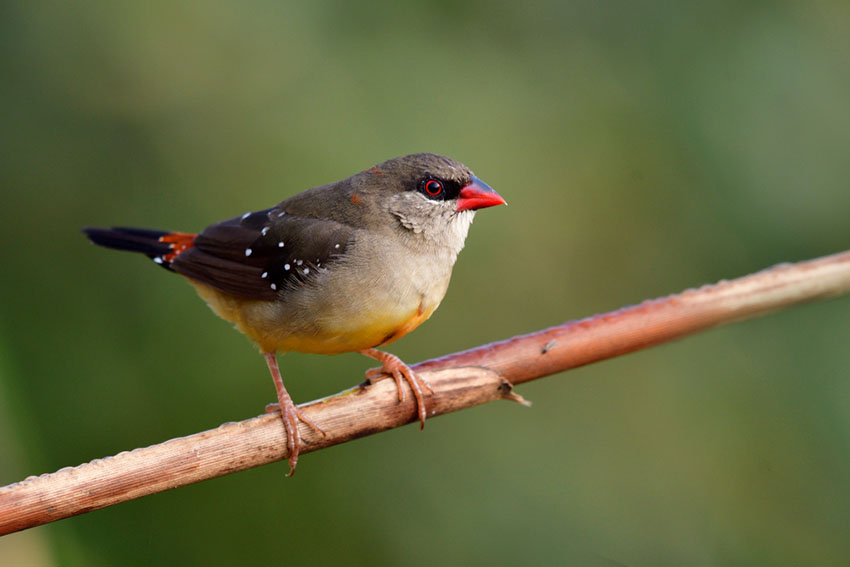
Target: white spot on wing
336,245
265,275
246,215
264,231
273,286
299,262
248,251
158,260
306,271
286,267
280,244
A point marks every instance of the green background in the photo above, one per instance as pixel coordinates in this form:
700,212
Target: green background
643,147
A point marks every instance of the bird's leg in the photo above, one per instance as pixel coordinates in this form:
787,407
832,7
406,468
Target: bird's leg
393,366
289,413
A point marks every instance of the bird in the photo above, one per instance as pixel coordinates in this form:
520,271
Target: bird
344,267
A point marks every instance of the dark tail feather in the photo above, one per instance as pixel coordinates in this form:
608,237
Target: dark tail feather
140,240
129,239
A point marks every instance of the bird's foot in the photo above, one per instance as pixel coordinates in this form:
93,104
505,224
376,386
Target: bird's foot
398,370
275,407
289,414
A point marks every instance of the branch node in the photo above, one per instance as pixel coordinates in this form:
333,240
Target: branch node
507,391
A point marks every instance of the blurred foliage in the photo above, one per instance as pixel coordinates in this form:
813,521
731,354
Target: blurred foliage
644,147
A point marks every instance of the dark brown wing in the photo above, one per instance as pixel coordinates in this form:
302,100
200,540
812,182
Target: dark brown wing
261,253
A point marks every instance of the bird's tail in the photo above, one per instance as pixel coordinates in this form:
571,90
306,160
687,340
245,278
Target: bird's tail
159,245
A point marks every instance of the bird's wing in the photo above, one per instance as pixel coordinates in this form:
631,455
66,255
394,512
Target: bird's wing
257,255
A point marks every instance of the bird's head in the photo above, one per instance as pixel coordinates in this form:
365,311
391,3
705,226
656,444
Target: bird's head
433,198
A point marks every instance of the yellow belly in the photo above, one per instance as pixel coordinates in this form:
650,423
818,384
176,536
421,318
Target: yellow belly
261,322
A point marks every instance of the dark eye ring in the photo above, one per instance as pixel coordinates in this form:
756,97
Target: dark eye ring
433,187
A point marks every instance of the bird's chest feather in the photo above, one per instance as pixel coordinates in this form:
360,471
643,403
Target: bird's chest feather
375,295
382,294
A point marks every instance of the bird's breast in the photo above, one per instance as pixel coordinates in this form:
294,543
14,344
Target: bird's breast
373,296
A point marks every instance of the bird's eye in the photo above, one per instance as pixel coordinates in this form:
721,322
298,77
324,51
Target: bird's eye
433,188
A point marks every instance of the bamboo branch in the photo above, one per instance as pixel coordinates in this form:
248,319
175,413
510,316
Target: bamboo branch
459,381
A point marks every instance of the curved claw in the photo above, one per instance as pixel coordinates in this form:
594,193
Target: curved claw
398,370
373,373
397,376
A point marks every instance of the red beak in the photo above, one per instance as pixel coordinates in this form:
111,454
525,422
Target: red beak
478,195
